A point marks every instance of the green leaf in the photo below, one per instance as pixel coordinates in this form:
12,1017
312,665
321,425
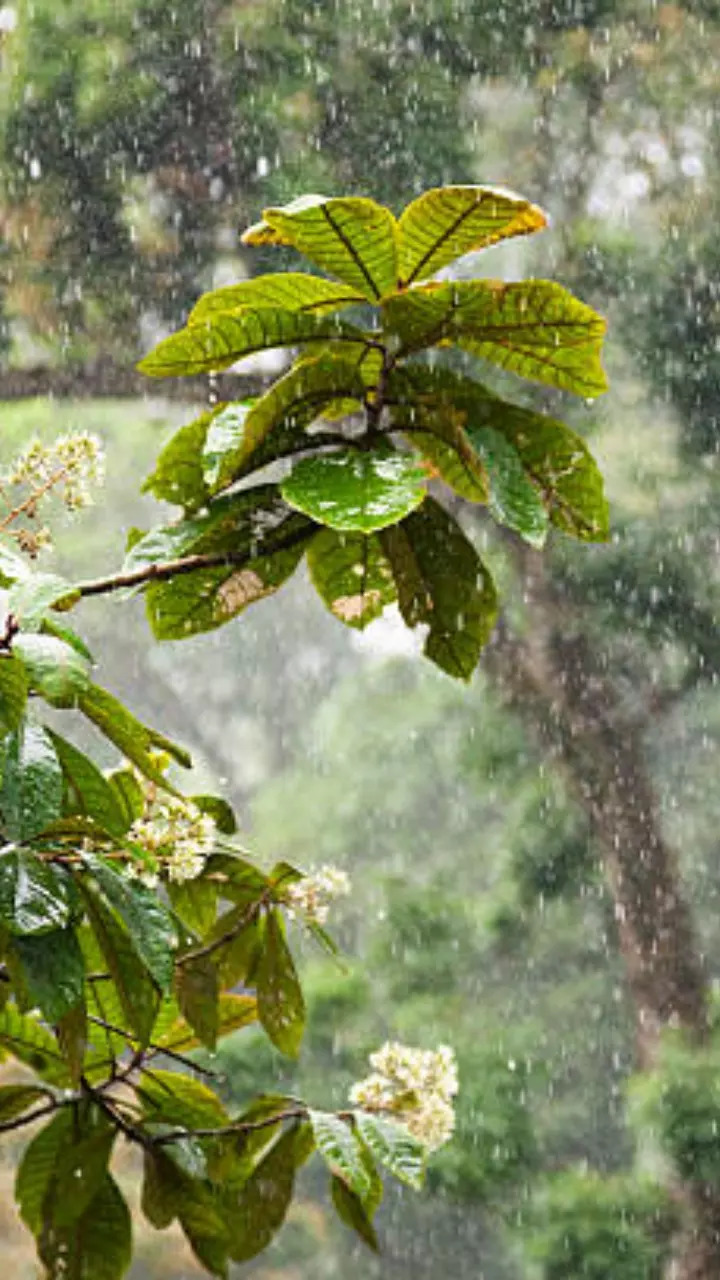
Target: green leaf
68,635
133,740
219,810
87,791
287,290
195,902
135,989
239,440
55,669
197,991
36,897
98,1245
352,575
394,1146
30,599
430,405
353,238
514,499
442,584
350,1209
341,1151
13,567
281,1007
534,328
80,1169
149,924
178,475
13,693
73,1037
355,490
32,784
128,794
53,971
233,1013
225,337
237,958
37,1169
25,1037
16,1099
259,1210
171,1098
233,523
162,1189
447,222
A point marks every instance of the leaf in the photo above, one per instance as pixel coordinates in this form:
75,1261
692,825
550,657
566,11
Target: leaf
351,237
259,1210
351,1211
171,1098
63,632
197,991
16,1099
239,440
447,222
195,902
442,584
162,1189
352,575
226,337
37,1169
178,475
98,1246
13,693
80,1169
133,740
514,499
53,971
148,922
288,290
88,791
72,1032
25,1037
355,490
341,1151
35,896
128,794
430,405
394,1146
135,989
233,1013
534,328
219,810
30,599
237,958
32,785
233,523
55,669
281,1007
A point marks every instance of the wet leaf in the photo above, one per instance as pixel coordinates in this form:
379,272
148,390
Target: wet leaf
394,1146
341,1151
171,1098
149,924
352,575
197,990
25,1037
447,222
133,740
350,1209
36,896
13,693
280,1000
287,290
53,971
31,792
258,1211
354,490
87,791
55,669
514,499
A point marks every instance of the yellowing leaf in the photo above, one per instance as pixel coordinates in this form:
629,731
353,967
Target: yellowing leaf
447,222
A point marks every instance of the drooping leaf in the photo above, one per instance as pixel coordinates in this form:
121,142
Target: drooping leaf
36,896
52,627
350,1209
147,920
534,328
243,440
219,810
16,1099
287,290
447,222
55,669
25,1037
351,574
356,490
225,337
168,1097
98,1245
163,1187
88,791
237,957
72,1032
135,989
353,238
80,1169
134,740
32,784
281,1006
259,1210
341,1151
514,499
442,584
53,971
197,991
37,1169
233,1013
394,1146
13,693
128,794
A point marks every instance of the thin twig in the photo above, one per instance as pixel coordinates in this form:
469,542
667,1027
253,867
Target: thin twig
154,1048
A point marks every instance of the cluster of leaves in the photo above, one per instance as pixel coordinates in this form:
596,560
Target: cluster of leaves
366,417
679,1103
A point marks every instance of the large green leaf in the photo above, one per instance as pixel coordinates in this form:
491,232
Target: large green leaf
341,1151
87,790
220,340
98,1245
31,793
24,1036
80,1168
234,1012
195,902
147,920
35,896
55,669
133,986
535,328
442,584
514,499
356,490
13,692
434,425
53,971
352,237
446,222
394,1146
171,1098
134,740
178,475
37,1169
259,1210
239,441
351,1210
351,574
197,991
281,1007
288,290
16,1099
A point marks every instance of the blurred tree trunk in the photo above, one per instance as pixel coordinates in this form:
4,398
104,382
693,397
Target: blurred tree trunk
552,676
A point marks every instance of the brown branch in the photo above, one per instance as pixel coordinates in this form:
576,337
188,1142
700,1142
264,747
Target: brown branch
239,1127
30,1116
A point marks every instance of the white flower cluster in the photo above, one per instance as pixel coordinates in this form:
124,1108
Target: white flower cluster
175,837
67,468
416,1086
312,896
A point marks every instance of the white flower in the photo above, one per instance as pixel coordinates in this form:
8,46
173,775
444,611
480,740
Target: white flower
313,895
176,836
416,1086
